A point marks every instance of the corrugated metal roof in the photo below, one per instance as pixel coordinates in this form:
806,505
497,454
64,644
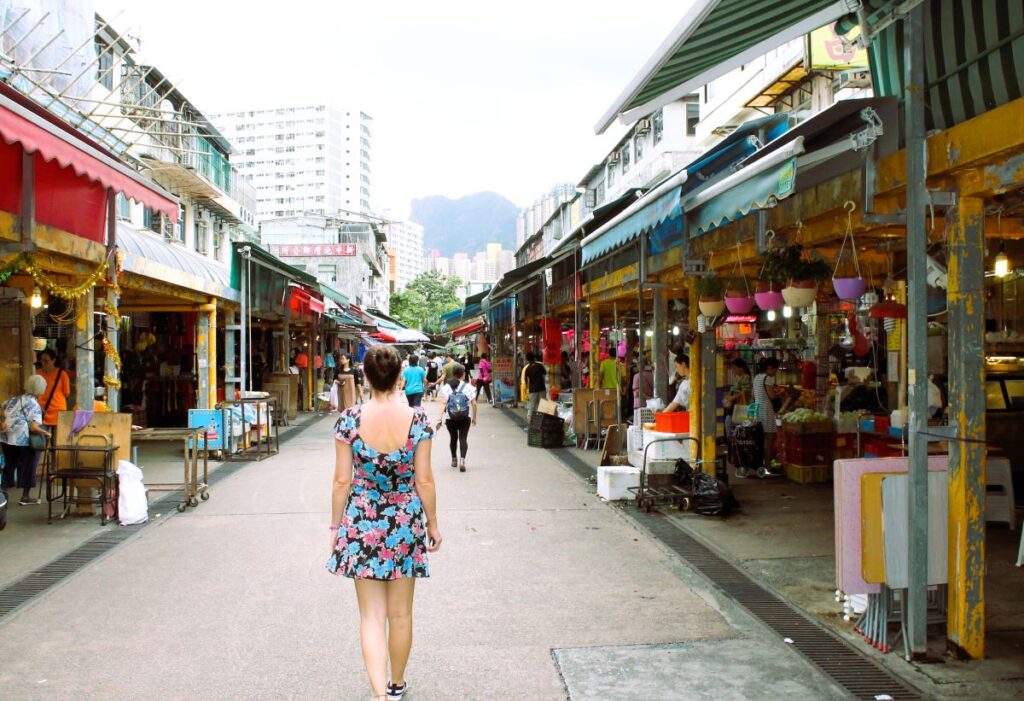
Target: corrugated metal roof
151,255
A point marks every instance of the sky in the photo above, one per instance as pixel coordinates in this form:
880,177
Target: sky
465,96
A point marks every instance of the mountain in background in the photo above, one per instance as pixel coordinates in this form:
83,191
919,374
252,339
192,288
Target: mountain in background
467,224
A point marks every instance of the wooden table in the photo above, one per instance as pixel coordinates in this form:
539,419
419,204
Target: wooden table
192,488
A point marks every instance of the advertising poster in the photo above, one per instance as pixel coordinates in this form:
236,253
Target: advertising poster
504,382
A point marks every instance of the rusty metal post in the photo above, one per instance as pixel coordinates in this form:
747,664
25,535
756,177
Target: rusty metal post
966,299
696,366
660,347
917,336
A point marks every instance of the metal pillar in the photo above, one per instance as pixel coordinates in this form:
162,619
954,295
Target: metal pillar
595,346
660,347
917,336
615,354
640,332
203,358
966,279
85,340
230,379
696,356
243,323
708,399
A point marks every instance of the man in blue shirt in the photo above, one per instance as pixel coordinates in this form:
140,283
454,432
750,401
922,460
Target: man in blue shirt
412,381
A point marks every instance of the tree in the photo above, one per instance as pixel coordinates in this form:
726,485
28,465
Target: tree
425,299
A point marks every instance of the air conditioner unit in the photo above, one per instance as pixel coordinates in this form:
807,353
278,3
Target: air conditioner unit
613,159
643,126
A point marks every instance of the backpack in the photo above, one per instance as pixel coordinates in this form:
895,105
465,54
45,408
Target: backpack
432,370
458,404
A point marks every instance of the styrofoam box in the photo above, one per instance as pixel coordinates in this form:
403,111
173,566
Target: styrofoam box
669,449
634,438
614,481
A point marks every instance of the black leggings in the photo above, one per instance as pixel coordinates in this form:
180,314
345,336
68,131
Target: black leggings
486,386
458,432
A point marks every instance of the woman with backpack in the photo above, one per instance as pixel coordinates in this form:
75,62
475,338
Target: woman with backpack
458,397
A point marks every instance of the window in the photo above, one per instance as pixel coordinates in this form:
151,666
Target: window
124,208
624,157
104,64
638,144
150,219
658,126
327,274
611,175
201,229
692,118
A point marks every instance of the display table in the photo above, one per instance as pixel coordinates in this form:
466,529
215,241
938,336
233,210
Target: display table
75,467
193,489
260,439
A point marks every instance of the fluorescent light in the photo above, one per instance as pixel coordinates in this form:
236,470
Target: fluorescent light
771,315
787,311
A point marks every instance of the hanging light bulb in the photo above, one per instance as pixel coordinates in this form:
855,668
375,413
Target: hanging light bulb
36,300
648,333
787,311
1002,267
771,315
675,330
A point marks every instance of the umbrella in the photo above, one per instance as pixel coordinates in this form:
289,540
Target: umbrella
410,336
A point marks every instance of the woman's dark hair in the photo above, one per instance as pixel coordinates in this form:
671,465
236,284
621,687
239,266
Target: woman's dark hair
485,356
683,359
530,357
413,361
381,365
741,364
765,363
50,352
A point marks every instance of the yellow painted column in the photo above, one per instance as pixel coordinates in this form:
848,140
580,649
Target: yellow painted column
965,623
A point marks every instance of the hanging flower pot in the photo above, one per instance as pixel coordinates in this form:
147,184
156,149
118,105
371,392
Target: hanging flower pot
768,298
711,306
850,288
800,293
739,302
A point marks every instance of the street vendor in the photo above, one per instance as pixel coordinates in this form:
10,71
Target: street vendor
681,402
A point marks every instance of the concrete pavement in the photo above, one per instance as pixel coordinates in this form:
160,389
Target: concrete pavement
540,592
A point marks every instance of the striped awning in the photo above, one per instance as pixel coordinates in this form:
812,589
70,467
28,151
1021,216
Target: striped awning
713,38
974,51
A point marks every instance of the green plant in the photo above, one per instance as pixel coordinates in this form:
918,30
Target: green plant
793,263
739,284
710,286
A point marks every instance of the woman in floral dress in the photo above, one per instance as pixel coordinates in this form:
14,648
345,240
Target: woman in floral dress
383,517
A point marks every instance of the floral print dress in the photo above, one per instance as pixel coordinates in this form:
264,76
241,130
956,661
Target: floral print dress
382,533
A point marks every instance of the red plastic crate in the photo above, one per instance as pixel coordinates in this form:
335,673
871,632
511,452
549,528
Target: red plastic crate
672,422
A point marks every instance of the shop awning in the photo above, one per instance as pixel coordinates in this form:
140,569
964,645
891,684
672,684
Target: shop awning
383,321
517,279
466,329
652,210
332,298
150,255
40,133
757,186
343,318
713,38
268,261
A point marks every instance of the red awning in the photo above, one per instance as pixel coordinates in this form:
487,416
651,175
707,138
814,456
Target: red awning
381,336
469,328
21,125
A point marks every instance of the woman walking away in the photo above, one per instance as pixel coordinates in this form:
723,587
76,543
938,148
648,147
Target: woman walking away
764,392
433,373
22,416
413,378
383,518
458,398
483,377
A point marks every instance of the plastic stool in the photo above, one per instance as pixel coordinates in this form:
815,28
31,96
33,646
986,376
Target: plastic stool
999,503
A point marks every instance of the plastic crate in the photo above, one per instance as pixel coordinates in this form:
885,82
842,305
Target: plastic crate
643,416
544,439
807,474
672,422
808,427
545,422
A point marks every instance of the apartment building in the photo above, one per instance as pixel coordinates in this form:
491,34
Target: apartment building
313,158
405,246
348,254
531,218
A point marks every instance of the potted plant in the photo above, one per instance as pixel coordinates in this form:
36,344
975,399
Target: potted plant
709,295
849,288
738,297
768,293
803,274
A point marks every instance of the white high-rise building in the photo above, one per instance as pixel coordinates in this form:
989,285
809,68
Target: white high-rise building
405,241
313,159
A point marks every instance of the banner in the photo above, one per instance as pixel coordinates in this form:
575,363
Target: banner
503,382
829,54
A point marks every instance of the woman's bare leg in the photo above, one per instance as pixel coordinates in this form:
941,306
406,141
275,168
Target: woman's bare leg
373,615
399,596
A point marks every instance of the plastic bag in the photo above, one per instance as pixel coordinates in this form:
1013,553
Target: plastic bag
711,497
132,505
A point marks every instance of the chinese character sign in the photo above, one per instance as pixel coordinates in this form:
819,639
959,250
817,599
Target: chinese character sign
319,250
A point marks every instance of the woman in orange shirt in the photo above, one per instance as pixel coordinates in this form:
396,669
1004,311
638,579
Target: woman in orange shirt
58,386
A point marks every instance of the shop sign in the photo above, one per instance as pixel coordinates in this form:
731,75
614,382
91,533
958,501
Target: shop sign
830,53
504,383
318,249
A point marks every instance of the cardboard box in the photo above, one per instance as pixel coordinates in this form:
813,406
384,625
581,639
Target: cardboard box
546,406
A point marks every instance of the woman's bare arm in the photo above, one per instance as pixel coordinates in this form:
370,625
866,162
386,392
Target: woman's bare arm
342,481
427,492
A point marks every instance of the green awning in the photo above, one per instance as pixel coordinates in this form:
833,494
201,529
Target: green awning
333,295
713,38
642,216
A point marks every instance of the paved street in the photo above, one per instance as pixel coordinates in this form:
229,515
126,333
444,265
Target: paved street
540,592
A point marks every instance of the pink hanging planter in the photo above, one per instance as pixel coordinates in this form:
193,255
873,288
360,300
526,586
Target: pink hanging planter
738,302
769,300
849,288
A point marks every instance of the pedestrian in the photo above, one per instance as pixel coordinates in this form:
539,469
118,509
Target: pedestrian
536,375
448,367
609,373
433,374
483,376
383,517
22,417
458,398
58,387
764,391
565,372
682,398
643,385
412,381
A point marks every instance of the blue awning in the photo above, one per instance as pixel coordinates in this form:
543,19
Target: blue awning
643,216
759,185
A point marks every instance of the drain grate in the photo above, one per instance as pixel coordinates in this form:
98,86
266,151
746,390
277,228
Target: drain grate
36,583
847,666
